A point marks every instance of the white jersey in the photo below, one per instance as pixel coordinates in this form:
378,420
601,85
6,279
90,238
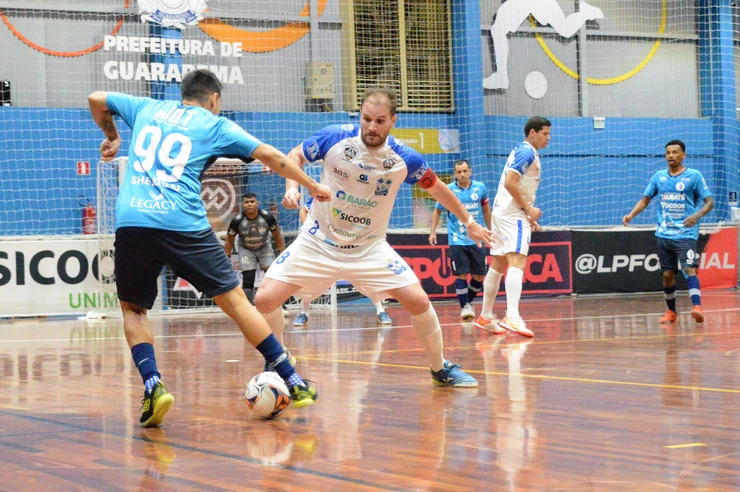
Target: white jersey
525,161
364,183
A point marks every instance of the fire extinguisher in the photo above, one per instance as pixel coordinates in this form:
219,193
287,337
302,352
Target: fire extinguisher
89,224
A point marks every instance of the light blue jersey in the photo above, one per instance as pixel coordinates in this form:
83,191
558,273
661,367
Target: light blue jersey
680,196
473,198
171,146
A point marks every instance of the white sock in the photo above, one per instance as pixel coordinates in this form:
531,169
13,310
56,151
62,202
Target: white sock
306,305
276,320
427,330
379,307
514,279
490,289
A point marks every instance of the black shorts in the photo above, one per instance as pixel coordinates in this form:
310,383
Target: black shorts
671,252
198,257
468,260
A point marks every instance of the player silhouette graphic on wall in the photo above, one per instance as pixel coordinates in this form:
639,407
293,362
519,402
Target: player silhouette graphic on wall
510,16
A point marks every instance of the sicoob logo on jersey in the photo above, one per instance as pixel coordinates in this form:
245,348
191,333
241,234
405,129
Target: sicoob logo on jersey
349,153
389,163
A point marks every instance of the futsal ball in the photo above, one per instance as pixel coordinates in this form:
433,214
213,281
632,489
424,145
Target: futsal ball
267,395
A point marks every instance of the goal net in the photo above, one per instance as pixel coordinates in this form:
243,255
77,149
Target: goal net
617,79
223,186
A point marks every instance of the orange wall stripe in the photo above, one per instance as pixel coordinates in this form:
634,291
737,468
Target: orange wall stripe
260,41
64,54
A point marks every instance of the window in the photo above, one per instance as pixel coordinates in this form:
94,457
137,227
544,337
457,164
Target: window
404,45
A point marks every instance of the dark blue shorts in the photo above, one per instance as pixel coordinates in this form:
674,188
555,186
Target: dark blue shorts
673,251
198,257
468,260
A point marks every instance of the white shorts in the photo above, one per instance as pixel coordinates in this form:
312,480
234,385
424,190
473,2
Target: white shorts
314,266
512,236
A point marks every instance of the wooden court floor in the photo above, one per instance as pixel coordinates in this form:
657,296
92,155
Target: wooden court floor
603,398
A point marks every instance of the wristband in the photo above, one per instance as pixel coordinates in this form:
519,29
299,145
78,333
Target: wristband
470,221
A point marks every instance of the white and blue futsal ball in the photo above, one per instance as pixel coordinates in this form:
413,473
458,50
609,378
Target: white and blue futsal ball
267,395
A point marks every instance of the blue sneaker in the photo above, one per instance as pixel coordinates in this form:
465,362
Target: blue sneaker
269,368
452,375
384,319
301,320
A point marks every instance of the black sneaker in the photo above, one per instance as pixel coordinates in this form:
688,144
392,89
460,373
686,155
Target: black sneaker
303,395
155,405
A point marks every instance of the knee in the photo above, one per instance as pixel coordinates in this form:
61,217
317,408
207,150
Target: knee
418,306
264,302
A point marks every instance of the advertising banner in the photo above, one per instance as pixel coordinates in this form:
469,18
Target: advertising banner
548,263
53,276
623,261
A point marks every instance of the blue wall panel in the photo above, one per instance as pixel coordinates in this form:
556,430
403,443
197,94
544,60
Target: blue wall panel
40,185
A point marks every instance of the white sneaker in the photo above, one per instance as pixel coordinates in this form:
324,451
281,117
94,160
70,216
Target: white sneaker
285,312
467,313
516,325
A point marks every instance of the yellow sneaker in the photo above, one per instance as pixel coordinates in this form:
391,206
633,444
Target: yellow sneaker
303,395
155,405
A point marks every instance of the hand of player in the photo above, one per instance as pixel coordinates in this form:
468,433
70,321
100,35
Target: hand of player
433,239
321,193
109,149
690,221
626,219
291,199
481,236
533,214
536,226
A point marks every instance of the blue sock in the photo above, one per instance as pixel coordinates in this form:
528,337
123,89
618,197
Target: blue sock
143,354
461,288
474,287
694,289
275,355
670,297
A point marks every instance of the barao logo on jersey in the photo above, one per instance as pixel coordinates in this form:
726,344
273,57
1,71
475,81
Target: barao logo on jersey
157,205
360,202
172,13
219,198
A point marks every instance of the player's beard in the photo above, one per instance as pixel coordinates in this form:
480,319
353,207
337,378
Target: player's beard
377,140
